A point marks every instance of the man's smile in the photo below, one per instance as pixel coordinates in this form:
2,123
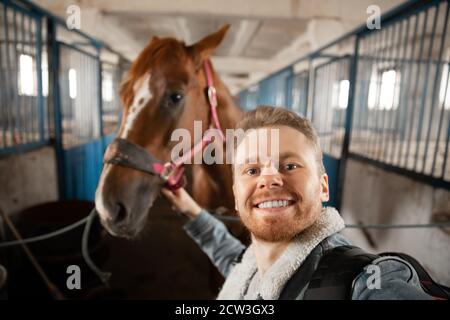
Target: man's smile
274,203
274,206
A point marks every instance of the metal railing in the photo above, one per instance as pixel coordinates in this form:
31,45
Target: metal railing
379,95
22,112
55,83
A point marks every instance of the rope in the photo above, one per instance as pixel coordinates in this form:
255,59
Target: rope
45,236
104,276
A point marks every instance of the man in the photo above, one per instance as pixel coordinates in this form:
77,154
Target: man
278,196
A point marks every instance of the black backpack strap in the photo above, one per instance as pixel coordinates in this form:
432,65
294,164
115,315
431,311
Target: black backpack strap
299,280
333,277
437,291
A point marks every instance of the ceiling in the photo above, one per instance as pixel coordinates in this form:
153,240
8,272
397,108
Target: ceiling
265,35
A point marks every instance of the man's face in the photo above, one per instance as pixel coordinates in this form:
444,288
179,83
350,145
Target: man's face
279,193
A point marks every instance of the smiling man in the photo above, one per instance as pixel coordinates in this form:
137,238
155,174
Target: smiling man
279,186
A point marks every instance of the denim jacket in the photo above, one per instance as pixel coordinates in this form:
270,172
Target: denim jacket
398,280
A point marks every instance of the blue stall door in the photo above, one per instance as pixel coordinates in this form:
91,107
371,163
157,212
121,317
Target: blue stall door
82,168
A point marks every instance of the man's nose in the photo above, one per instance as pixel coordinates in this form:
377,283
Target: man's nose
270,178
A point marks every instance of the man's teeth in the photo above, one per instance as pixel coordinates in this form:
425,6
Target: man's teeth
273,204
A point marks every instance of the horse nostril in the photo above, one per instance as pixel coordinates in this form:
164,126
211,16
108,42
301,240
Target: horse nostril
121,213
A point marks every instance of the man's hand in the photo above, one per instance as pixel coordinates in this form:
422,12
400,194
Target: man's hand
182,201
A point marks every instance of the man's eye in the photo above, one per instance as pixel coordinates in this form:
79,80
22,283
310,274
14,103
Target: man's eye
251,171
291,166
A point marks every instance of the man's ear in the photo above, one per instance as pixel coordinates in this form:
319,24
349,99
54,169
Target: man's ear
204,48
324,188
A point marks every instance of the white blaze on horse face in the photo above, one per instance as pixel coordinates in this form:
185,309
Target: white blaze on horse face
99,201
142,95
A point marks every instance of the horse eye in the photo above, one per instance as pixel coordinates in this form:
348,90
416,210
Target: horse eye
176,97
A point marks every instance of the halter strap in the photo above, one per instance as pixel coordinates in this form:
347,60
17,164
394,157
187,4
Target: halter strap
212,96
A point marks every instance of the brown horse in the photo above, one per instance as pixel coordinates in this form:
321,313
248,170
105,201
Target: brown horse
164,90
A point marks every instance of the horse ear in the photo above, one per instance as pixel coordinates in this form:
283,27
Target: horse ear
205,47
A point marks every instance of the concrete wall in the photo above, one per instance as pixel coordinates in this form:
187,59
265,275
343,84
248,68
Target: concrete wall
28,179
375,196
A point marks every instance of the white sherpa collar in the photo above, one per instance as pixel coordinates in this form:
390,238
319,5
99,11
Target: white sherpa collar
281,271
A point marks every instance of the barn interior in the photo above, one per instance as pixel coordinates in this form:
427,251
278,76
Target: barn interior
371,75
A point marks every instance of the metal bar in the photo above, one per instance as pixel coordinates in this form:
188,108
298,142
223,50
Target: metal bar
30,99
404,127
416,87
18,42
40,94
21,148
306,94
425,89
72,47
100,96
335,112
441,119
362,106
328,108
401,106
337,118
398,60
325,108
313,96
15,76
342,112
348,125
288,101
54,92
446,151
8,86
374,137
3,89
333,60
24,101
311,85
390,130
383,109
435,91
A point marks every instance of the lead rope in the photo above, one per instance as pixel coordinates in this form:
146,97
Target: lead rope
103,276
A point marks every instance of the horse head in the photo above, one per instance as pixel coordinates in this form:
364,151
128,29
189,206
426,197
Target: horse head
163,90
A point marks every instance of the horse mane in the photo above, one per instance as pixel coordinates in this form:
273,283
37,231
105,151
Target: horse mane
155,53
